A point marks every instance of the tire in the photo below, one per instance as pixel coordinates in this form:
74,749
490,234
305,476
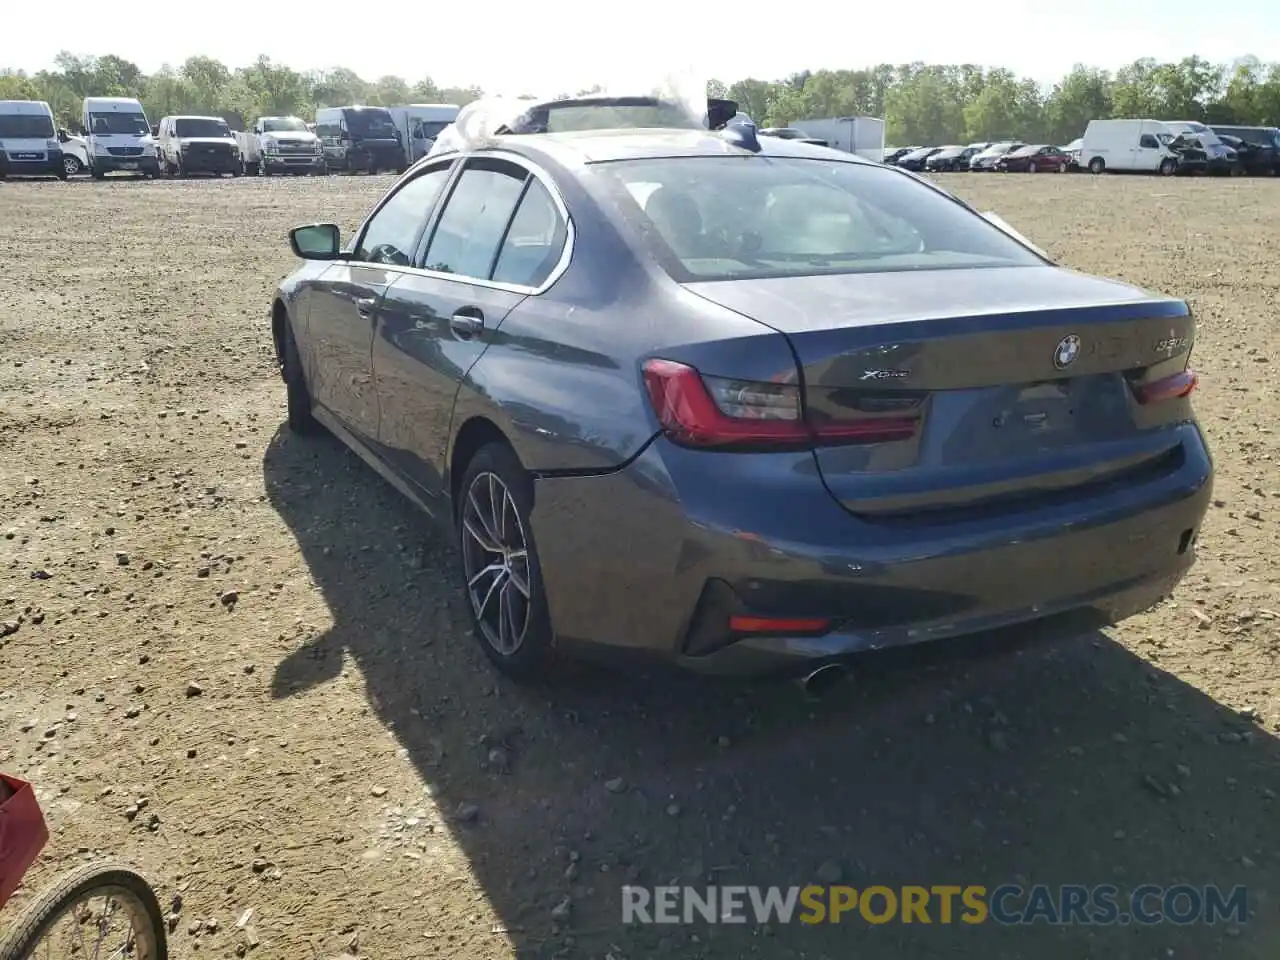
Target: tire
52,904
72,165
297,394
1168,167
1097,165
495,473
1031,168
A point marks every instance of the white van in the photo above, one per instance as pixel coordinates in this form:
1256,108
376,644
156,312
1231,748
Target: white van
118,136
419,125
29,144
1128,145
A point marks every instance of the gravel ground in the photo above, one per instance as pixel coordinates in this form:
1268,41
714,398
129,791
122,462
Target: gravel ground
234,659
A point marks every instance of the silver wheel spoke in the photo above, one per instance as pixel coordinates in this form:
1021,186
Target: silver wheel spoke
493,568
482,538
519,579
491,536
494,588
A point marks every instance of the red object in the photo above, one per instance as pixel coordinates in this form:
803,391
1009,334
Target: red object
746,624
23,833
1170,388
690,416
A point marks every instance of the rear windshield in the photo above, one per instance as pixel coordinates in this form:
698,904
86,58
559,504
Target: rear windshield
729,218
198,127
134,124
34,126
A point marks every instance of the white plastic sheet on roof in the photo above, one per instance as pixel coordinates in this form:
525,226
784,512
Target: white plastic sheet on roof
478,121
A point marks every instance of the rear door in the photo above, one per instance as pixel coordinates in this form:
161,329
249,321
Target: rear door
480,259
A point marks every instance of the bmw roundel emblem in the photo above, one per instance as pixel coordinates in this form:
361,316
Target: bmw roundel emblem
1067,351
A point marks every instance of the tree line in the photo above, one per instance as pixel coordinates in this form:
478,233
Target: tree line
921,103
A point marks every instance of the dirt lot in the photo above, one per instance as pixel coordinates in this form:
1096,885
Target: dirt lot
237,665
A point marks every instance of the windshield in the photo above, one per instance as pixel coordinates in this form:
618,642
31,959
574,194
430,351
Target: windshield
33,126
737,218
134,124
1024,151
371,124
283,125
200,127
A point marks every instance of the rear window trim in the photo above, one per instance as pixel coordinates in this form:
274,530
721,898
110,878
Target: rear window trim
675,269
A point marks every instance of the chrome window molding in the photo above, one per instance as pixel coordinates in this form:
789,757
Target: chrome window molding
459,159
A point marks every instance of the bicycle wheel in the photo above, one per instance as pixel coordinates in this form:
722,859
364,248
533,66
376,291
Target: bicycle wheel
87,910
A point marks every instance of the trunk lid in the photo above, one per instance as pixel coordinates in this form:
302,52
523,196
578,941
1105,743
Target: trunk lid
1022,380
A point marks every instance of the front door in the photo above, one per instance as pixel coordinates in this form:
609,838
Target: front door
340,329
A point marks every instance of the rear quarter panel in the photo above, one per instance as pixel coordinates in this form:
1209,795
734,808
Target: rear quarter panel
562,375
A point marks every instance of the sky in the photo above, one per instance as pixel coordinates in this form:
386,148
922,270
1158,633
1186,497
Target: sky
513,47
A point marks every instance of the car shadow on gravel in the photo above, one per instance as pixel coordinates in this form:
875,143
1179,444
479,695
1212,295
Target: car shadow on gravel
1023,758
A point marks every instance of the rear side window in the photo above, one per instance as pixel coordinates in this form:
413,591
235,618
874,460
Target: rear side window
534,241
392,232
712,218
474,220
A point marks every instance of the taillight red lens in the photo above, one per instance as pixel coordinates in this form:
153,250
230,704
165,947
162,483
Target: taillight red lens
702,411
1167,388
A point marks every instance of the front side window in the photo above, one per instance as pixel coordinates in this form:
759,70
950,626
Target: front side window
119,122
26,126
534,241
712,218
392,232
1148,141
475,218
200,127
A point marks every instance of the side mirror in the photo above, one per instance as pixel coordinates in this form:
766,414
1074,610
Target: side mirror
62,135
315,241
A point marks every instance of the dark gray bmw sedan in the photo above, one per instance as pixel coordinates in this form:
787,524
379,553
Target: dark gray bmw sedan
745,403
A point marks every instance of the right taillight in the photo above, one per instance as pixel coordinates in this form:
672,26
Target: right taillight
725,413
1180,384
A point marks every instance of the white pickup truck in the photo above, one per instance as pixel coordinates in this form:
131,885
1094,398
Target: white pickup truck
280,145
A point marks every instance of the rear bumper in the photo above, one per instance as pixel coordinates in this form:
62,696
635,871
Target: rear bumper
644,559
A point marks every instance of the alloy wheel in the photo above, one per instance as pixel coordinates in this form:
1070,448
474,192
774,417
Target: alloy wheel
495,558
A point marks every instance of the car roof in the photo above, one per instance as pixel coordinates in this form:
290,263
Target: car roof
194,116
579,148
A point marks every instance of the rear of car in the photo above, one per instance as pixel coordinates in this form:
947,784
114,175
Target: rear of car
891,421
29,144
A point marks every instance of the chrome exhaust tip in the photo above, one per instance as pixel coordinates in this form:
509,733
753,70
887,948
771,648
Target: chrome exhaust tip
822,679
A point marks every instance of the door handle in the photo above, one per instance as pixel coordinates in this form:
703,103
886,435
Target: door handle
467,325
365,305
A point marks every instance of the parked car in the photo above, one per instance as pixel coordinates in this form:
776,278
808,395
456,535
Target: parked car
1192,157
916,159
643,438
1256,159
893,154
1266,138
1072,150
954,158
791,133
1034,158
985,160
190,145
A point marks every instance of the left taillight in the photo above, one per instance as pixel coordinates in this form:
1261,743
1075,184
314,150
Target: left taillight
702,411
1181,384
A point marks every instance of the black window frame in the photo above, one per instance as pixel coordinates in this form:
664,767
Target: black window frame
530,173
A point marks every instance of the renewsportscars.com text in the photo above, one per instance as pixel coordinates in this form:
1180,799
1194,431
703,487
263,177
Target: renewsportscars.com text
1009,904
